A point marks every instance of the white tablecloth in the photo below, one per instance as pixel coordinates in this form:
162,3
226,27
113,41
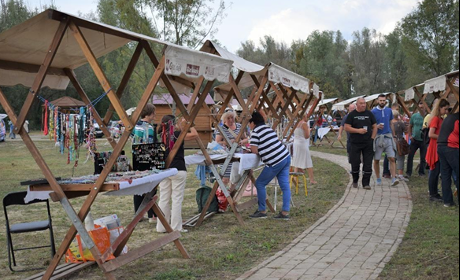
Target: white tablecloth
323,131
200,159
137,186
248,161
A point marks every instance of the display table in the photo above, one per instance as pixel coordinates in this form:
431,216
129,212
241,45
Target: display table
127,183
246,164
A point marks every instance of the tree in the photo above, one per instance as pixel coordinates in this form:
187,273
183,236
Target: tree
367,54
185,22
395,62
431,39
13,12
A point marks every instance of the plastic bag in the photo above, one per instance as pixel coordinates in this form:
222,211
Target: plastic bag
78,252
222,200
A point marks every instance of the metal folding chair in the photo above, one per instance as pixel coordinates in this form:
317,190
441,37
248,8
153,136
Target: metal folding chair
17,198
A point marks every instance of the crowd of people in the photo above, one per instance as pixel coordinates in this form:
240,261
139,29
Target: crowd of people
372,134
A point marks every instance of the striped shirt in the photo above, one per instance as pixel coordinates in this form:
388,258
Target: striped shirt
271,150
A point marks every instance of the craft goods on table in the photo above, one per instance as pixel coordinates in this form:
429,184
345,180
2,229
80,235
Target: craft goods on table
119,183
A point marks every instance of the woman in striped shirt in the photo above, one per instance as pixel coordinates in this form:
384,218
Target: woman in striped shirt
277,160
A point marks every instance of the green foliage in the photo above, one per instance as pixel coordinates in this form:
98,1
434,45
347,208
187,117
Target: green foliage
430,37
185,22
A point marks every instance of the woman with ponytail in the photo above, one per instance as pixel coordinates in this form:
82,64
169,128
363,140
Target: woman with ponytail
172,189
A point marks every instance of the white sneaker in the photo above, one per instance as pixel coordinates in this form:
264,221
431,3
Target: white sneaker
402,178
153,220
394,182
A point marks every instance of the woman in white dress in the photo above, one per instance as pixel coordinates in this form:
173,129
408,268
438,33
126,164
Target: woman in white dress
301,159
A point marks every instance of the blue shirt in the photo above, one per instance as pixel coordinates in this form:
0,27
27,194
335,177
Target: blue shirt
383,116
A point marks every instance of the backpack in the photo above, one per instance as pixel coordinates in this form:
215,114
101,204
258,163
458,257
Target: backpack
202,195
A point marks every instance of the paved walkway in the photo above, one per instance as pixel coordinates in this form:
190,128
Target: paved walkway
354,240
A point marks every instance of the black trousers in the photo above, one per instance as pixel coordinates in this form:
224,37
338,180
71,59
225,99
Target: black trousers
138,201
414,146
366,150
449,159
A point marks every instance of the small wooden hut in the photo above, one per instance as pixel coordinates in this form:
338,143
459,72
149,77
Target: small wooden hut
203,123
67,104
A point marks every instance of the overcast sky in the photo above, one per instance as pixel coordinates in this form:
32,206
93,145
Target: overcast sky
287,20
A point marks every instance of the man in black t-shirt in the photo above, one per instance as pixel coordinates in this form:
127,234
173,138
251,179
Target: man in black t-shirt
362,126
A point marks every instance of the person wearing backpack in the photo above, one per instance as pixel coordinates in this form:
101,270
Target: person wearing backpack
172,189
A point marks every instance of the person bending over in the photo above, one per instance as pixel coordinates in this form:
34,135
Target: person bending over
277,160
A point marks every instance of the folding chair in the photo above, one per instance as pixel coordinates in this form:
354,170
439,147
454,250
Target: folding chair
17,198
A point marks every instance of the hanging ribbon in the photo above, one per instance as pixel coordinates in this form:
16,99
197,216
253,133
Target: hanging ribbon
45,120
171,135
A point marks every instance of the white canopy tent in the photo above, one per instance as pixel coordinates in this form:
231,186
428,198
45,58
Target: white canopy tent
24,46
341,105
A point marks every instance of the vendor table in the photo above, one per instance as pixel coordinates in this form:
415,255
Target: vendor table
247,163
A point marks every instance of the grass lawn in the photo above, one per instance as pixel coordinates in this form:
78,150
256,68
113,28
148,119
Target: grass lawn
220,249
430,248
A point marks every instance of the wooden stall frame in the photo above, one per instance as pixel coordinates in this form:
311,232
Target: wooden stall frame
73,24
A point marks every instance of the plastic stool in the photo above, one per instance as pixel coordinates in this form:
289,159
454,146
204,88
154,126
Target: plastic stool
297,175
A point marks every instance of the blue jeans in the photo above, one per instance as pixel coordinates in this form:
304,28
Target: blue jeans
281,171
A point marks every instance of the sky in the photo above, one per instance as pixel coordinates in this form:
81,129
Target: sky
286,20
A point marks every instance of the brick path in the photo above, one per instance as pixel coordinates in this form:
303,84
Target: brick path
354,240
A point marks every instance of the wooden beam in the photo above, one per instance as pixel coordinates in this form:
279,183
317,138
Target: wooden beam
165,79
59,16
100,75
37,84
29,68
124,81
137,253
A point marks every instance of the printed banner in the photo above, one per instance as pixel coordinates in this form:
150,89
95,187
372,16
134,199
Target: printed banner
193,64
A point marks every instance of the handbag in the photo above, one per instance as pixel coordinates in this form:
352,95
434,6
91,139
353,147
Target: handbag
402,147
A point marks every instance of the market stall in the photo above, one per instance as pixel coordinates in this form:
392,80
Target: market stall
43,51
444,86
324,108
259,80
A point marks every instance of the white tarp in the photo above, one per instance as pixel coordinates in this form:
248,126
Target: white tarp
326,101
279,75
276,73
409,94
179,62
238,62
375,96
341,105
29,43
435,85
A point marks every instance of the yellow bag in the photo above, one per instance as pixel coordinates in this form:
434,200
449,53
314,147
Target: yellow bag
78,253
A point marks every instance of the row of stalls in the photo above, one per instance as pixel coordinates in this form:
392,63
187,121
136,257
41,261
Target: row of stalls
45,50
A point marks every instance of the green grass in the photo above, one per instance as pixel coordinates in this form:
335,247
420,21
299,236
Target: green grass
430,248
219,249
